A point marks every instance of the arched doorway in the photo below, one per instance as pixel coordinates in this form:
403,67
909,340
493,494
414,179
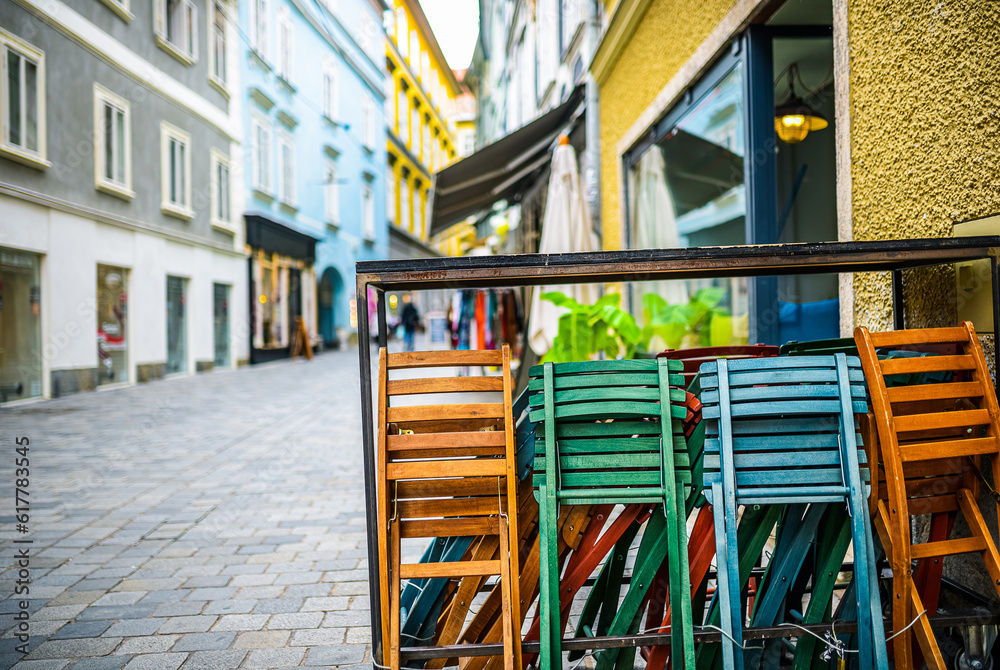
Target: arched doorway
330,291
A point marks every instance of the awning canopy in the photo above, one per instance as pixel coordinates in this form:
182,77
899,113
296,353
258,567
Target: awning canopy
501,170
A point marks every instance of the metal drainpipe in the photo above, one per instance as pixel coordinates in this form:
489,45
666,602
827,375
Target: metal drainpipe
592,170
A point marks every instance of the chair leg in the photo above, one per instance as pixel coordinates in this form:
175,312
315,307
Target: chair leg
505,598
551,635
394,623
722,558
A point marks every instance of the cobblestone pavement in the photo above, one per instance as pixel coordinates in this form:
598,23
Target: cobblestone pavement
214,521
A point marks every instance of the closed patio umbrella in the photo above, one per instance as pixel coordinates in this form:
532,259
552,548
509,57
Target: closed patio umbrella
565,228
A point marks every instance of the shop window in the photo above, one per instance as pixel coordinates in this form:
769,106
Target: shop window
260,151
286,42
176,24
22,89
331,193
367,212
218,67
259,27
175,149
113,143
286,168
688,183
20,325
176,325
112,325
271,288
221,191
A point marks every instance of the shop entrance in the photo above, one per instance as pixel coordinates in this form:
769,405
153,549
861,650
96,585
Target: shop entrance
176,325
331,288
112,332
221,324
20,326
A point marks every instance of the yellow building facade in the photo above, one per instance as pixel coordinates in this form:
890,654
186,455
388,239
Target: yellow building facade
419,118
909,150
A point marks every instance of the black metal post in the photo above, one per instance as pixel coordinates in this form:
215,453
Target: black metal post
383,333
368,444
994,276
898,322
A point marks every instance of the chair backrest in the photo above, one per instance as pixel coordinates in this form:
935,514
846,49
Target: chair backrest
783,429
694,358
933,413
614,423
444,462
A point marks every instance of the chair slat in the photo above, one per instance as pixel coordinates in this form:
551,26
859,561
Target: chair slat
912,422
899,366
902,338
444,385
455,569
449,507
918,392
430,441
492,410
946,449
443,359
471,526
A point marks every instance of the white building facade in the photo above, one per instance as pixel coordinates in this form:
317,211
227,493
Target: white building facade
122,254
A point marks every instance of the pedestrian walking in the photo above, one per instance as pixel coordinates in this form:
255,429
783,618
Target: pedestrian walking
411,321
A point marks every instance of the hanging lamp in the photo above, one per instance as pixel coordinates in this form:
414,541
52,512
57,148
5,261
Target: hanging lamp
795,118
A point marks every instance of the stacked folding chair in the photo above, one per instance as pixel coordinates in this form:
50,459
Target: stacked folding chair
447,470
937,418
610,432
781,431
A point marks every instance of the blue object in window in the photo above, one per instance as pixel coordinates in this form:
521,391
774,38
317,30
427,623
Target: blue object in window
801,322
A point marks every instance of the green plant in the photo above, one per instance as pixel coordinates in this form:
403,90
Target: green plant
586,330
699,323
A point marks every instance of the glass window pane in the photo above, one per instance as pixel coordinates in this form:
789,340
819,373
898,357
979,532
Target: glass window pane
31,105
109,153
14,96
120,146
182,179
173,170
687,190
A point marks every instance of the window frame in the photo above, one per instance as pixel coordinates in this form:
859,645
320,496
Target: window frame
261,179
161,28
418,217
284,59
168,133
220,81
367,210
331,193
330,92
105,98
258,37
368,121
287,192
219,159
122,9
37,159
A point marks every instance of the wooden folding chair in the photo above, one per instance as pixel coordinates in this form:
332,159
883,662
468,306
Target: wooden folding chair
610,433
932,436
447,470
782,431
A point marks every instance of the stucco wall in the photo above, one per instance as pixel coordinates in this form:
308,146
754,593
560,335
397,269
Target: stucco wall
667,37
925,137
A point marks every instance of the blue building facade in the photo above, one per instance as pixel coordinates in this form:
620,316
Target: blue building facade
312,75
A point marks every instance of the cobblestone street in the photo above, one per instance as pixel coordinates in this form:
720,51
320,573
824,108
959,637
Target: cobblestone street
214,521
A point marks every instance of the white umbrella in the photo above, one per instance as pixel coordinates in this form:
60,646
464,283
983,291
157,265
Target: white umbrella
565,228
655,226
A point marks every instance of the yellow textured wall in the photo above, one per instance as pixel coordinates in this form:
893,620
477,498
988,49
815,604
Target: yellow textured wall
925,137
665,40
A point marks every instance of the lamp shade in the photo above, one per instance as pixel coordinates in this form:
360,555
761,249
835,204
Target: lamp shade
794,120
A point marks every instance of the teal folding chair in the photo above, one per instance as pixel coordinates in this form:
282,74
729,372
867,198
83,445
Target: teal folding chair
610,432
782,431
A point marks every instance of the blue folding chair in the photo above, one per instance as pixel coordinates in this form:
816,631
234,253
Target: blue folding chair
782,431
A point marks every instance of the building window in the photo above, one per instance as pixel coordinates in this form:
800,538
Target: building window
218,73
260,151
177,28
286,168
121,8
414,51
175,166
330,90
404,116
221,200
286,45
368,32
415,133
402,33
331,193
23,92
425,147
367,212
390,194
418,220
112,143
404,204
368,122
258,27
